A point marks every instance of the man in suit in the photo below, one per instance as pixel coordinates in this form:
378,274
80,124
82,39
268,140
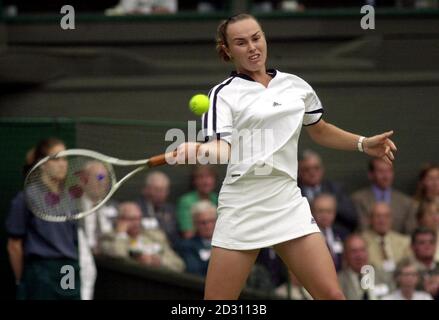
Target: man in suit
359,279
423,244
156,210
312,182
384,246
381,176
324,210
132,240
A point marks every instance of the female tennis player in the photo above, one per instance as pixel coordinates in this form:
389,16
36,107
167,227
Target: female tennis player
260,204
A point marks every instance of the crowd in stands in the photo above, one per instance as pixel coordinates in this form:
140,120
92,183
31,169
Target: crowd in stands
261,6
384,243
13,8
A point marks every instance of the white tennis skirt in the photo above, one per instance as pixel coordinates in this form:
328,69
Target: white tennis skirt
261,211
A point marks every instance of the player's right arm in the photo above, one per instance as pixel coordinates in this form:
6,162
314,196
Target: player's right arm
213,152
15,251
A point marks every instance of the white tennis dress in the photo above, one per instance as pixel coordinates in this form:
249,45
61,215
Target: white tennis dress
260,204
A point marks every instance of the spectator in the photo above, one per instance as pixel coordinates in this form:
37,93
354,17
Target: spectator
204,180
381,176
384,246
324,210
292,5
428,184
351,276
406,278
146,246
312,182
428,217
95,182
270,260
205,6
155,207
273,5
261,6
97,185
425,4
143,7
294,290
38,249
424,248
259,279
196,251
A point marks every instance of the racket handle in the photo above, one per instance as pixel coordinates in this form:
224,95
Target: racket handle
161,159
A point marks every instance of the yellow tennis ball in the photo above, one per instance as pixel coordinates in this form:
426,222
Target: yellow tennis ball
199,104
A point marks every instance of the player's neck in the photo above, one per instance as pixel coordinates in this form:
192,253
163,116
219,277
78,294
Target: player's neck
260,76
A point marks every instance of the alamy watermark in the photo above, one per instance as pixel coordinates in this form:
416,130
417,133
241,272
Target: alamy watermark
68,280
368,20
68,20
368,277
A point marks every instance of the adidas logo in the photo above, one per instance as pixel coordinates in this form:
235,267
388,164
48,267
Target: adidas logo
275,104
313,221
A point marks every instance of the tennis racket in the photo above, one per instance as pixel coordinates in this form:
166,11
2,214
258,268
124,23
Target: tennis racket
76,182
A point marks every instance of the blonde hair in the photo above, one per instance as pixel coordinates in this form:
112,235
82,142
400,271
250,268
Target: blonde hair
221,34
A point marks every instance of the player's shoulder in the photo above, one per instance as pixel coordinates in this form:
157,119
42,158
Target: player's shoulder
294,79
227,85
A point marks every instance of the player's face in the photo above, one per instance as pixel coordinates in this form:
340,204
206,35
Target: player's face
56,169
247,45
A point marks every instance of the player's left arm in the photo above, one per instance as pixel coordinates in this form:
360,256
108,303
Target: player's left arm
330,136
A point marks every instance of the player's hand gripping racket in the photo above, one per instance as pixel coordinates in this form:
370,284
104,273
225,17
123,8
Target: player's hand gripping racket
74,183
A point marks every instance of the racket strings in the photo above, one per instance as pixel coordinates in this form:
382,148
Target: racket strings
61,189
